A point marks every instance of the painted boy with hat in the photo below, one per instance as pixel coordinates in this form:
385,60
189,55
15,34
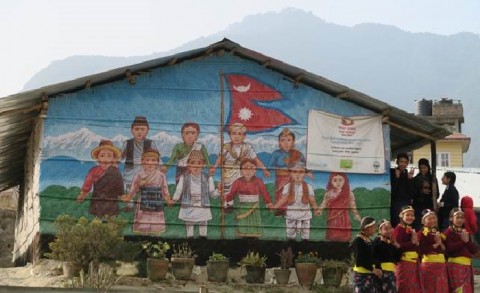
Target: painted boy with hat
299,197
106,180
132,150
152,186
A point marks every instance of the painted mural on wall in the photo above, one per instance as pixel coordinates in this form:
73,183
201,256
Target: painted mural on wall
166,156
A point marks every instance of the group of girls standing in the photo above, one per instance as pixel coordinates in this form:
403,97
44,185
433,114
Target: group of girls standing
402,259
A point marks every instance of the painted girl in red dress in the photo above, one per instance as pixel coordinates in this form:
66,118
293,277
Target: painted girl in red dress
338,201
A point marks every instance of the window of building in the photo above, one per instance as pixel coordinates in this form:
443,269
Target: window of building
443,159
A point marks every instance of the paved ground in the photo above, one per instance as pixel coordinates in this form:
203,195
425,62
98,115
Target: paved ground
46,277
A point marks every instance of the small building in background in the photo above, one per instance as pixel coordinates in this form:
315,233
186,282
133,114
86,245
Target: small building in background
448,113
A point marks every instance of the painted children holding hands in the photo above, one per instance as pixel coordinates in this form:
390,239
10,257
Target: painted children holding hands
194,189
299,197
152,186
248,189
283,157
233,153
106,180
181,151
132,150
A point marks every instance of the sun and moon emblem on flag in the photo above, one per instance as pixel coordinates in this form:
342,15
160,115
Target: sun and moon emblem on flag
246,92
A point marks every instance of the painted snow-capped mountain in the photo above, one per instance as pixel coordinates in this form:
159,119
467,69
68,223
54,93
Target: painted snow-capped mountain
80,143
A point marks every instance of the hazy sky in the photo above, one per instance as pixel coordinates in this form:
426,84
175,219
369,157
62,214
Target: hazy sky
36,32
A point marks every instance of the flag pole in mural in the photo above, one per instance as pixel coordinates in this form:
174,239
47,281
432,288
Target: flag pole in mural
246,92
222,176
345,144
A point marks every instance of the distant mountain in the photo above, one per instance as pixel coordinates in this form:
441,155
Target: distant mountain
382,61
82,141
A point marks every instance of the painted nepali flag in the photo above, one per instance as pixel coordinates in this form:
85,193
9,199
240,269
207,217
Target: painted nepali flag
245,92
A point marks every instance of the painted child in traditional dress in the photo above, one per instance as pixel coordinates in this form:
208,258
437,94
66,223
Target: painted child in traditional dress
248,189
338,201
194,189
367,269
283,157
386,252
299,197
460,250
233,153
406,271
106,180
433,270
132,150
153,194
181,151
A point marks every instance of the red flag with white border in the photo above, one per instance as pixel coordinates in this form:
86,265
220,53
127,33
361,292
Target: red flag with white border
246,92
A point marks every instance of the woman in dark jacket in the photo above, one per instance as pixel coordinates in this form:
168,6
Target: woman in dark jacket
424,188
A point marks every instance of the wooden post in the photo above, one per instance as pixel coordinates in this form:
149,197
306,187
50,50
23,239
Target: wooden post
433,164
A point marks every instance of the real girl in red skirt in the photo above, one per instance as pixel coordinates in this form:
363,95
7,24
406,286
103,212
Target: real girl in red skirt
460,249
433,270
406,271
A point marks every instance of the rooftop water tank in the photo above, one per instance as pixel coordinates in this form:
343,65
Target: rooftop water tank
424,107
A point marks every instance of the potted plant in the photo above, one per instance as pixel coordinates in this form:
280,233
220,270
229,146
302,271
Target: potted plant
217,267
333,271
282,275
157,263
183,260
78,242
306,265
255,264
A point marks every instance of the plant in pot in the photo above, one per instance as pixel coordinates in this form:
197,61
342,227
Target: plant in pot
183,259
78,242
333,271
282,275
306,265
255,264
217,267
157,263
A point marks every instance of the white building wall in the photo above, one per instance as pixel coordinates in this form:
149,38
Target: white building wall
27,225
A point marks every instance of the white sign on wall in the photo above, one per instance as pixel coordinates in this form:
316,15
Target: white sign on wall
345,144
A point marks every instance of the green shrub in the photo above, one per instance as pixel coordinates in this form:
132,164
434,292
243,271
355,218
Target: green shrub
83,241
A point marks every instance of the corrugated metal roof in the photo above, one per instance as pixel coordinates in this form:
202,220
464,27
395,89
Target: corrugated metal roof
17,112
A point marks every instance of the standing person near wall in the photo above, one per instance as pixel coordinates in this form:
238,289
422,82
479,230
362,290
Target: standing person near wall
424,185
449,199
460,250
386,251
406,271
470,223
366,272
433,270
401,182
